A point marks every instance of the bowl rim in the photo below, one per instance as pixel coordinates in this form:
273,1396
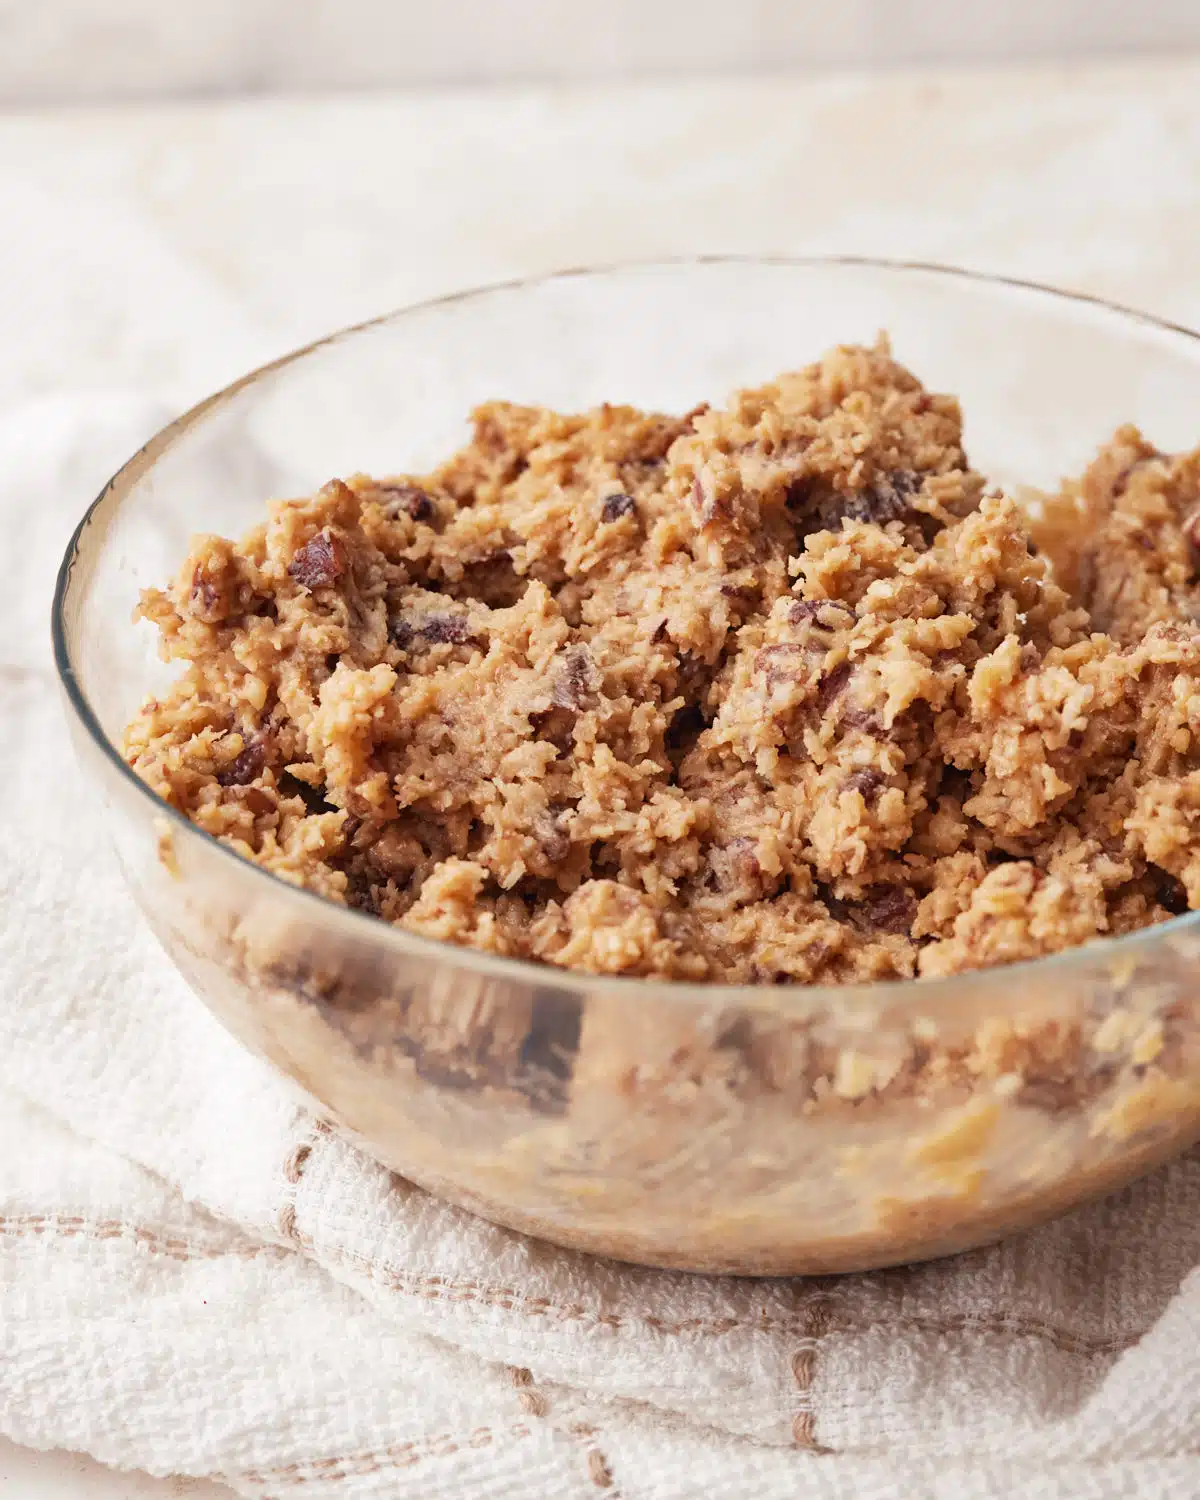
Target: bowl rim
916,995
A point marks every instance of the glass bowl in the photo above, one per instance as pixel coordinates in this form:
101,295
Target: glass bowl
763,1130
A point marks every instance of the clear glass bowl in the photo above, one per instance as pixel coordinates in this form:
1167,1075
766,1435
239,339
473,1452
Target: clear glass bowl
755,1130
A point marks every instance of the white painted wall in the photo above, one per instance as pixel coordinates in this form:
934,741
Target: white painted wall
59,51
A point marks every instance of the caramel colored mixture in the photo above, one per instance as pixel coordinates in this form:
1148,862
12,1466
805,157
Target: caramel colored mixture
776,692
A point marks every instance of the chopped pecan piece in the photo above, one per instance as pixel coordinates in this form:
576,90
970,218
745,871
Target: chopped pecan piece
616,506
865,781
408,499
832,686
247,764
320,563
891,908
449,630
576,681
209,602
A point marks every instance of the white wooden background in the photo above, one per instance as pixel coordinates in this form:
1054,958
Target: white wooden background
62,51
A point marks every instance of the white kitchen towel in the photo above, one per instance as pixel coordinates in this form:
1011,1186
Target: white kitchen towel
197,1277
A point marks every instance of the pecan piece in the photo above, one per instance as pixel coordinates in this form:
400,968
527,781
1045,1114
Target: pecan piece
832,686
890,908
885,499
553,839
246,764
616,506
576,680
554,725
814,609
860,718
804,609
449,630
408,499
321,562
782,662
708,504
866,781
209,601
